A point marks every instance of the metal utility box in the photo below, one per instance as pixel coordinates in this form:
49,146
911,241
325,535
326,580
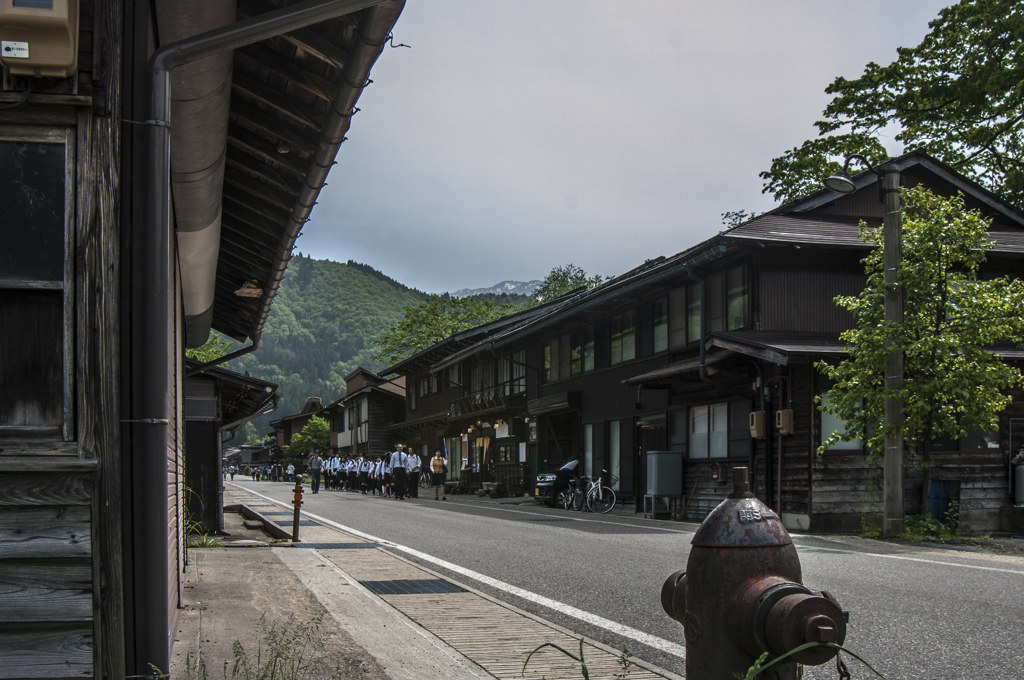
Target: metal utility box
665,473
757,428
39,37
784,421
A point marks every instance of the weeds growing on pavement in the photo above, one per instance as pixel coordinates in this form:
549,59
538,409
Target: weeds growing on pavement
289,651
870,526
195,534
623,660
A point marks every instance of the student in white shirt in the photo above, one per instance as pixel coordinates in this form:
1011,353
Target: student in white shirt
398,462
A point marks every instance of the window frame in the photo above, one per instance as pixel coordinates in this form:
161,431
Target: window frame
65,136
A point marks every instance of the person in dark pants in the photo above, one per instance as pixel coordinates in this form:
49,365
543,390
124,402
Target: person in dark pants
315,463
438,466
398,462
412,475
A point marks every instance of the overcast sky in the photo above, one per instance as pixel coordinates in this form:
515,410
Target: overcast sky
519,135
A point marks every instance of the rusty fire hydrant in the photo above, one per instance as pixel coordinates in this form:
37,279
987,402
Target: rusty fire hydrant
740,595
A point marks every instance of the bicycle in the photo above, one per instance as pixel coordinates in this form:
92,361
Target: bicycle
600,499
571,496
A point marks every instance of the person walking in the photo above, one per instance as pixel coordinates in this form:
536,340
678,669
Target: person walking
290,470
365,466
438,466
315,463
398,462
412,475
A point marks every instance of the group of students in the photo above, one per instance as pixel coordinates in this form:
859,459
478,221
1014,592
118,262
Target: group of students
394,475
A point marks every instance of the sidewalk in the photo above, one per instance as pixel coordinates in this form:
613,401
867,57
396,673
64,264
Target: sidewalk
384,616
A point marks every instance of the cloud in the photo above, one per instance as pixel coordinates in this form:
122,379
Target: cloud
514,137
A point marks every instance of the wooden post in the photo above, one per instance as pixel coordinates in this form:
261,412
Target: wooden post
893,461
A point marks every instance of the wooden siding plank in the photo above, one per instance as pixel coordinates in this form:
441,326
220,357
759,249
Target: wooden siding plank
49,532
54,652
54,590
45,488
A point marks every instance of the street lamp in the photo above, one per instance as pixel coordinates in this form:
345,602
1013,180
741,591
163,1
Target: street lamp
892,239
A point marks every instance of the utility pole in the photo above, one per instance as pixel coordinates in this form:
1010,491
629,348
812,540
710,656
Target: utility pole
892,228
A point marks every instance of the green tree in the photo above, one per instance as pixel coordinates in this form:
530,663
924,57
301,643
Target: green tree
952,383
562,280
959,95
435,320
316,434
214,348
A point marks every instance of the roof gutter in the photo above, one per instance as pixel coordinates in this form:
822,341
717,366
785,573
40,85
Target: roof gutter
154,281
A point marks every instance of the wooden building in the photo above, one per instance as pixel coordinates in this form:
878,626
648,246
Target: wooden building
129,233
618,371
288,426
216,401
359,420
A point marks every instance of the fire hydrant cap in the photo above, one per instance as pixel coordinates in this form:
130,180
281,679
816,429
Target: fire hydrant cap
741,523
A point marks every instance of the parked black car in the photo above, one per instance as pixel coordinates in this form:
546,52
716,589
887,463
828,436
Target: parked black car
550,484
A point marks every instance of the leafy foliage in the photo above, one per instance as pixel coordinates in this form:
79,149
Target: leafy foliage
735,218
958,95
321,327
562,280
951,382
315,435
434,320
214,348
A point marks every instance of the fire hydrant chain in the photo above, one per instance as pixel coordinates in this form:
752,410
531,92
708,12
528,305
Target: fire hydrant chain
844,672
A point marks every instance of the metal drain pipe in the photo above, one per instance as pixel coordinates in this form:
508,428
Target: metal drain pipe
154,283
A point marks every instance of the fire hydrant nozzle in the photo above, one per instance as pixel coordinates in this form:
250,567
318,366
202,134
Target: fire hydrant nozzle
741,596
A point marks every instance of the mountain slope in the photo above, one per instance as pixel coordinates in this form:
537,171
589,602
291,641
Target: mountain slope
321,327
507,287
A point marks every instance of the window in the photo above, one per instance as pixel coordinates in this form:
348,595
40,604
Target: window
338,420
614,453
623,338
424,387
36,279
716,302
693,313
595,346
433,383
454,376
715,430
677,317
660,325
551,360
575,353
518,370
830,424
588,450
411,399
736,298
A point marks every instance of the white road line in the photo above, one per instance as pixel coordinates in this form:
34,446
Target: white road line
583,519
653,641
915,559
797,542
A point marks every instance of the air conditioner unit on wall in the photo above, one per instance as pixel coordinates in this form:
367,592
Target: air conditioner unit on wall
39,37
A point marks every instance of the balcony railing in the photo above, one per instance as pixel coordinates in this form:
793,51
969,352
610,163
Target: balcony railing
510,394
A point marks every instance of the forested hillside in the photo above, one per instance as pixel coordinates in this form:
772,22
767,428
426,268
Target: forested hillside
321,326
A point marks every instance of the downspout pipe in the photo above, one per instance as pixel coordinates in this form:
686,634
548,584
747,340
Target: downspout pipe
155,286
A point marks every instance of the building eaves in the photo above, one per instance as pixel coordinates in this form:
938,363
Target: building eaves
647,273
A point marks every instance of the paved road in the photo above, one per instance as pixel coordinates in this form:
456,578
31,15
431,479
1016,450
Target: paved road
915,613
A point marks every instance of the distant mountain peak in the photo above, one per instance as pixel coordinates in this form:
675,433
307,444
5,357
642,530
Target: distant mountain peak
508,287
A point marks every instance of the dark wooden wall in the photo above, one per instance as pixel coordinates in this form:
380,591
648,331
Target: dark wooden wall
61,575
